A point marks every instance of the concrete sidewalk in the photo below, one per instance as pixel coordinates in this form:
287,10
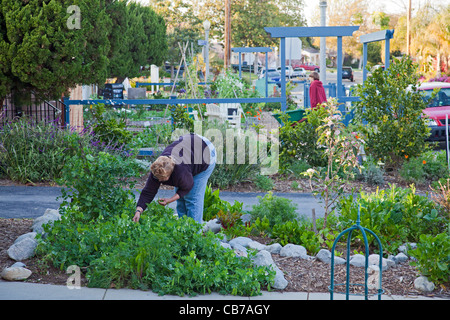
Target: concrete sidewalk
35,291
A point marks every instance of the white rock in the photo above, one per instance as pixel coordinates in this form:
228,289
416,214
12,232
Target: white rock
400,258
49,216
23,249
31,235
256,245
15,273
421,283
357,260
274,248
293,250
374,259
324,255
264,258
243,241
213,225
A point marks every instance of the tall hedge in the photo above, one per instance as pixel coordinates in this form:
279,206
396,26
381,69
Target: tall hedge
41,51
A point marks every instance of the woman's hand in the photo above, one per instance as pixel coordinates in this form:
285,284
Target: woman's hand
137,214
165,201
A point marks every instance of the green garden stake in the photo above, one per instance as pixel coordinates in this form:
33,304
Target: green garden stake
347,284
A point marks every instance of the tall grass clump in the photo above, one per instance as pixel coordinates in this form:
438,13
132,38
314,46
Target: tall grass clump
32,151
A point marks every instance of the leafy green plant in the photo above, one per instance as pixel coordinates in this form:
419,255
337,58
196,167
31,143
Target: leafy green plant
341,150
393,108
95,184
297,232
298,141
412,171
396,216
264,183
109,130
35,151
433,257
275,209
372,173
213,205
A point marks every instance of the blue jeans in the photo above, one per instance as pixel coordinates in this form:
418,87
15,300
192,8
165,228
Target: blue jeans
192,203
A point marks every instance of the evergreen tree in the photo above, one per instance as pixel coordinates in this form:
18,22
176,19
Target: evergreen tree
47,48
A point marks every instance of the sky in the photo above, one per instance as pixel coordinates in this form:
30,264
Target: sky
388,6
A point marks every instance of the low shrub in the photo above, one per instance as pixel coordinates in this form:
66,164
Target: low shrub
162,253
433,257
34,152
396,216
275,209
264,183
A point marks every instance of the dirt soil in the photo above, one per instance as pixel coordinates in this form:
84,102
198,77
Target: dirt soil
302,275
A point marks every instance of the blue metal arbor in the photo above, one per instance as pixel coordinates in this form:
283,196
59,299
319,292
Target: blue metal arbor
385,35
266,50
290,32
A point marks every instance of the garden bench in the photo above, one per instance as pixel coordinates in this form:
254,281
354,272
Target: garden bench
230,112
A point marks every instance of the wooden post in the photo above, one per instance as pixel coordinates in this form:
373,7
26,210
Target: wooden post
227,56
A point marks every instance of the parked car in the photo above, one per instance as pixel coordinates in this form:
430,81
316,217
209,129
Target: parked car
274,76
289,71
347,73
308,66
437,108
262,73
299,73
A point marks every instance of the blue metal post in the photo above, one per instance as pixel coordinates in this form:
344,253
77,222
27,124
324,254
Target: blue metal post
364,61
267,78
283,72
66,111
240,68
339,67
386,53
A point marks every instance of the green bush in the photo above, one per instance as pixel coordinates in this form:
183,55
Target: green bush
264,183
371,173
299,141
412,171
162,253
433,257
396,216
212,205
275,209
35,152
392,108
95,184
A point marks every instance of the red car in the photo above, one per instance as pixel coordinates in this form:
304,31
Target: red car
308,66
437,108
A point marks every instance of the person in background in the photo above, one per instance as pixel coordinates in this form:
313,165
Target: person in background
317,94
187,165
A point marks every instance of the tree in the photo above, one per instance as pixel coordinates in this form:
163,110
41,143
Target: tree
43,53
392,108
41,50
138,38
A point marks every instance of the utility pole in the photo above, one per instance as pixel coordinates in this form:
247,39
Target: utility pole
323,44
408,29
227,48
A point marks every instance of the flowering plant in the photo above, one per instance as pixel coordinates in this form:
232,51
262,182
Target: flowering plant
341,148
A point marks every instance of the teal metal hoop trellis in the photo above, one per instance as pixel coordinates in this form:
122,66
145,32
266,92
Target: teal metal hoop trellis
347,284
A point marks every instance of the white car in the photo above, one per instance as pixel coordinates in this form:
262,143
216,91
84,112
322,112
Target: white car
289,71
299,73
262,74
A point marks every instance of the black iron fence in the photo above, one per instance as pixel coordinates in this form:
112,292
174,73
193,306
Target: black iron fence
36,110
